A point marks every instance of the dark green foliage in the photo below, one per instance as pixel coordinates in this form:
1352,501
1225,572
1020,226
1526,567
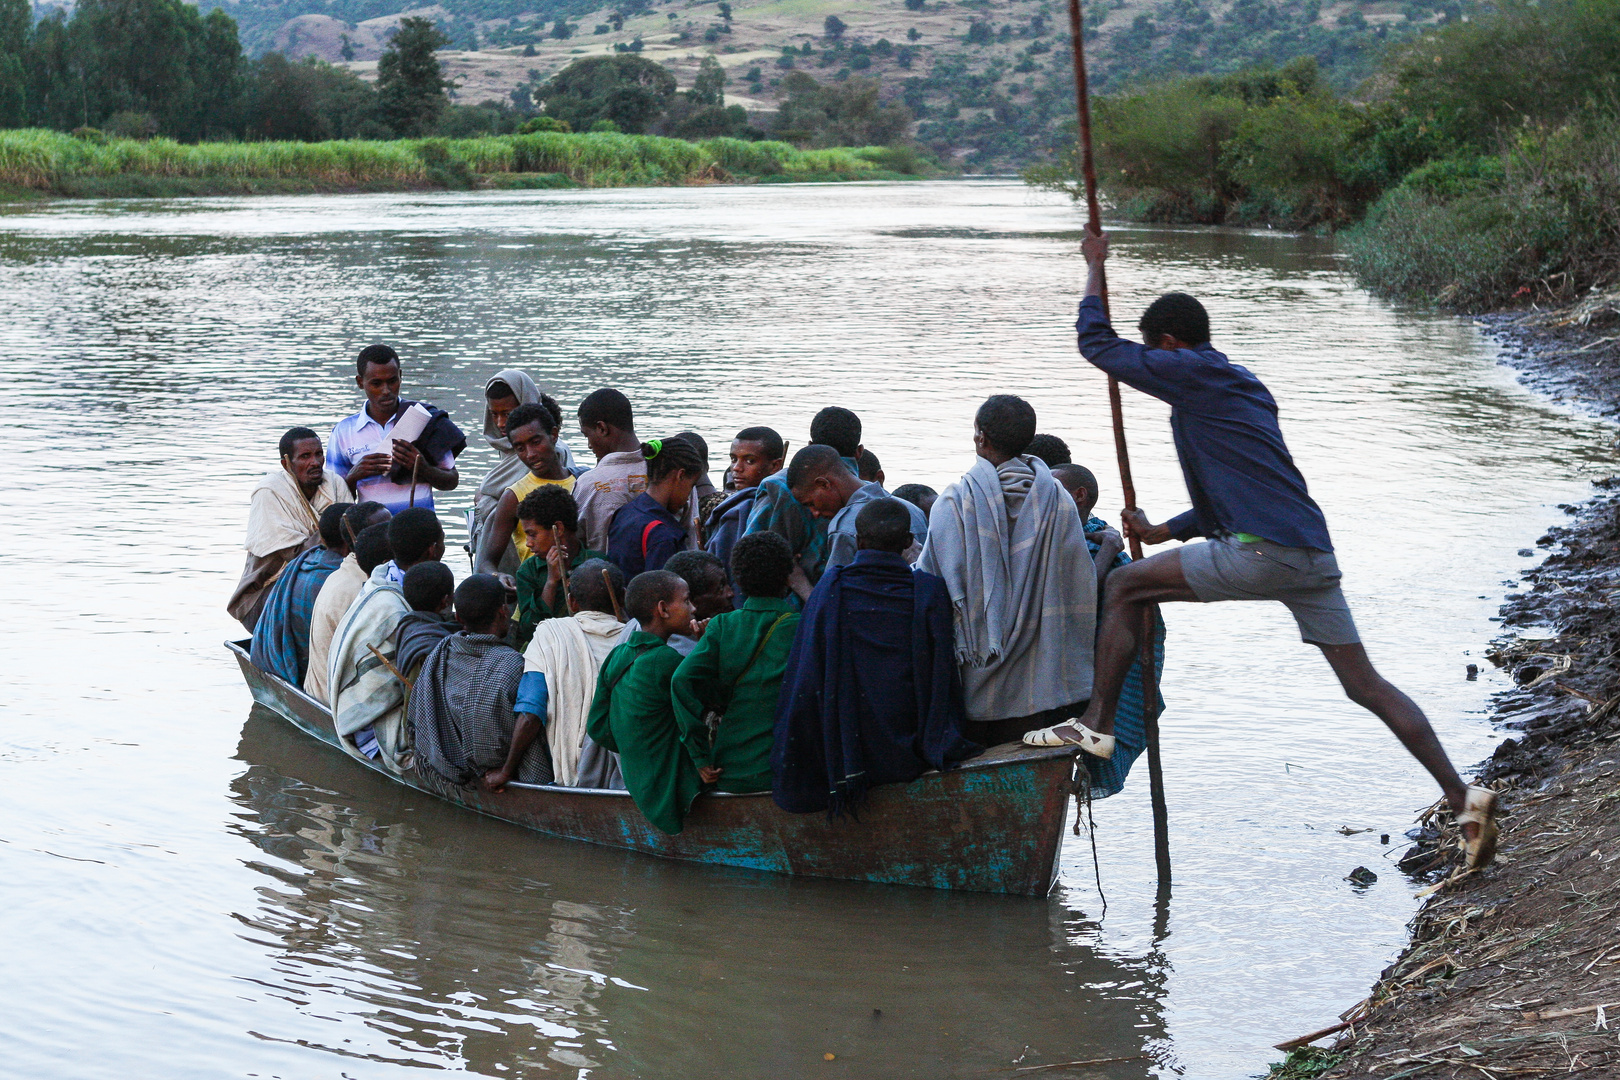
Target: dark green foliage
916,5
1306,1063
410,84
833,27
707,87
543,123
15,18
725,11
848,114
625,89
309,101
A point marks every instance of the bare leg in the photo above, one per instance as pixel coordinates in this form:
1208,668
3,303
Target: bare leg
1131,590
1364,686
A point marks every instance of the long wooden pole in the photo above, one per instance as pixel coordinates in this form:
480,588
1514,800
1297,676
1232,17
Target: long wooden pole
1150,675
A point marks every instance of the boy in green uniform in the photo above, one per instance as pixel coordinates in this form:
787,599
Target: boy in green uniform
549,518
736,670
632,715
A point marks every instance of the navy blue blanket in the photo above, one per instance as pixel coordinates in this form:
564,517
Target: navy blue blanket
871,693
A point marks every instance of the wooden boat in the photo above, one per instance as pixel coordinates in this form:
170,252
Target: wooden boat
993,825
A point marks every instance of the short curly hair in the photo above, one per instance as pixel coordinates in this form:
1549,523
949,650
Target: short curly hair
548,504
761,563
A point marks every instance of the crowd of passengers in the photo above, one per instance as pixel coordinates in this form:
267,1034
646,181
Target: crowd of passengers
798,629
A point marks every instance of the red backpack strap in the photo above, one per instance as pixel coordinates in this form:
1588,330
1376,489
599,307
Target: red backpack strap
646,534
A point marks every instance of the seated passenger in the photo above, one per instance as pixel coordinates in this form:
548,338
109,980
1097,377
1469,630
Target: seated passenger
549,519
870,694
870,468
1107,549
429,589
463,706
1008,541
725,691
367,688
1050,449
709,587
281,638
284,519
756,453
559,677
533,432
1105,542
502,395
919,495
648,529
367,522
826,488
632,714
608,424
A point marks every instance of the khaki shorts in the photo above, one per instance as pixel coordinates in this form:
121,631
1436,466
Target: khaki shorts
1303,579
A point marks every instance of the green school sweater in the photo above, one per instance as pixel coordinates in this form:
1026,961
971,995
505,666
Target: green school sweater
742,746
631,715
531,582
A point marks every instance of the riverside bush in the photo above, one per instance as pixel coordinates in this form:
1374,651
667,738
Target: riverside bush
44,160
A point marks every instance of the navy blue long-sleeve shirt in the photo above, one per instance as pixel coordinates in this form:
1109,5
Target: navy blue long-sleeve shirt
1239,474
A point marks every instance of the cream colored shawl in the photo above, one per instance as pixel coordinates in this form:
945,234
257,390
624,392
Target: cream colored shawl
279,517
569,652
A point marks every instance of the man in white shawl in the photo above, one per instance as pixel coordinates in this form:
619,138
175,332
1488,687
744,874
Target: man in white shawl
366,691
1010,545
502,394
559,680
284,519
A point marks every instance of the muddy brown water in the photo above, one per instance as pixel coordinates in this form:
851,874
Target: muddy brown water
189,888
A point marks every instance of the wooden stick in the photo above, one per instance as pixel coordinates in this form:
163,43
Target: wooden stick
1078,1064
1150,679
618,611
414,466
1306,1040
397,673
1559,1014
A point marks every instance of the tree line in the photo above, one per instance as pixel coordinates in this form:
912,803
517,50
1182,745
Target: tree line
1480,164
138,68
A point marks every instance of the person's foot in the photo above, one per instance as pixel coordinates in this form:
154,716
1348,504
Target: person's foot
1073,733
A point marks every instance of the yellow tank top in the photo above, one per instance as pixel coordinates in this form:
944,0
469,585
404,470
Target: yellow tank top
522,488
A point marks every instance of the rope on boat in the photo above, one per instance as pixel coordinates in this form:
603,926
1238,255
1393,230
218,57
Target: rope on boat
1080,784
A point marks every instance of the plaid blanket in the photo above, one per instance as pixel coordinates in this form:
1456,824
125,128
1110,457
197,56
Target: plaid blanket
461,710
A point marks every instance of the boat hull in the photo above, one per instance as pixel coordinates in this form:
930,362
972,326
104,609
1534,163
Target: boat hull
994,825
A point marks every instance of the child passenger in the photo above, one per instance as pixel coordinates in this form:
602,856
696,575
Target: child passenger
632,715
648,529
736,670
532,430
756,453
549,519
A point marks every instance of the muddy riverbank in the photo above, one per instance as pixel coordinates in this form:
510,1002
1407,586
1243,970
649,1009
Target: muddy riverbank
1516,971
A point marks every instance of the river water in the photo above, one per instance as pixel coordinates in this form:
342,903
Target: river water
189,888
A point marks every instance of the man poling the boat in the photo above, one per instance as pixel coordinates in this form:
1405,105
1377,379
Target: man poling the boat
1264,537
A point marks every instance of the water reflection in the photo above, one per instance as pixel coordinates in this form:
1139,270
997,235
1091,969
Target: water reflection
404,930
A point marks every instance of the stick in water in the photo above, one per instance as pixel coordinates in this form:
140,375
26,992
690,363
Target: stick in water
1150,681
397,673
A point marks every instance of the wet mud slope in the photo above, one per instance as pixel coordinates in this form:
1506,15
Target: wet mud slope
1516,971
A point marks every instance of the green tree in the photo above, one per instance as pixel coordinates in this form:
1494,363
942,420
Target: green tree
15,17
843,114
308,101
627,89
410,84
707,87
833,27
725,12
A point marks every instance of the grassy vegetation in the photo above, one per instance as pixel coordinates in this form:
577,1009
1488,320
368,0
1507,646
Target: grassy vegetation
54,162
1304,1064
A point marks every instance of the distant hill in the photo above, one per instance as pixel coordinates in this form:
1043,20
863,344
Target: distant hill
988,80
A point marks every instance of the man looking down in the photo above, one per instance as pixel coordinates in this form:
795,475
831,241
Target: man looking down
820,480
1264,537
283,519
870,693
281,638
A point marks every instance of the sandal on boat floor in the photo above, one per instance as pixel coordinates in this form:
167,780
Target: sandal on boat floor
1480,809
1092,742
